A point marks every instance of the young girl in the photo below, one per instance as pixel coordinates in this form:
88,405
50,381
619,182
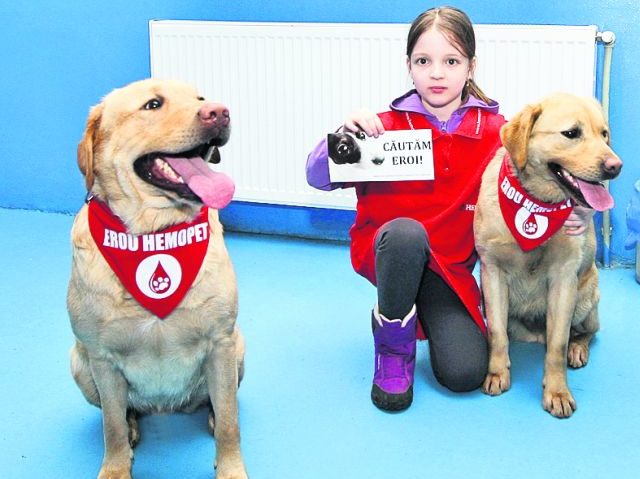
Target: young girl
414,239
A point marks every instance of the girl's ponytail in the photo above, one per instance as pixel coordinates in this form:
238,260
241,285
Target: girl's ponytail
471,88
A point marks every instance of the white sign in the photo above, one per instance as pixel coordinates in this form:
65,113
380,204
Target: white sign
398,155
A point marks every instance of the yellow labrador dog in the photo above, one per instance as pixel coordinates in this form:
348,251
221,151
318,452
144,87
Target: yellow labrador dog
152,296
540,284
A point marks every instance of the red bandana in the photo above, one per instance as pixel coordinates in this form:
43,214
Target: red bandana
530,221
156,268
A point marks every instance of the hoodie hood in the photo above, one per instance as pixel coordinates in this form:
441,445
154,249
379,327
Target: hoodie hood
412,103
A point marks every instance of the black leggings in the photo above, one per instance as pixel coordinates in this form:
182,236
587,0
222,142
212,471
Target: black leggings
457,347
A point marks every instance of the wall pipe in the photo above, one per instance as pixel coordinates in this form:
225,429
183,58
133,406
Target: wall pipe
609,40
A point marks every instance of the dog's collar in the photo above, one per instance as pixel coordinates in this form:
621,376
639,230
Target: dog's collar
531,221
157,268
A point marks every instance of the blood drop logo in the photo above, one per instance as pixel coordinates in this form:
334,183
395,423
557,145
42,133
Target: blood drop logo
530,225
158,276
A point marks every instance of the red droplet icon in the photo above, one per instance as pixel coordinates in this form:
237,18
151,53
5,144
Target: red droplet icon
531,225
160,281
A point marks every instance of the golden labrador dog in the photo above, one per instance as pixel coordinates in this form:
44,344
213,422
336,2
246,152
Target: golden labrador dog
155,331
538,283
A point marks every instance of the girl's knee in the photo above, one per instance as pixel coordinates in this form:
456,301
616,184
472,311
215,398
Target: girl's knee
462,379
402,233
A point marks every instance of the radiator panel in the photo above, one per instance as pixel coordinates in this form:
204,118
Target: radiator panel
287,85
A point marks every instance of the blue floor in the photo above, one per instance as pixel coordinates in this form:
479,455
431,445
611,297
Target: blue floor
305,411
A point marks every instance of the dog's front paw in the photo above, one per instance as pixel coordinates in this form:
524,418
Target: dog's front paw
559,403
114,473
231,471
578,354
497,383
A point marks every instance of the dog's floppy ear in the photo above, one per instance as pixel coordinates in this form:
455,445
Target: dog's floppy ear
515,134
88,143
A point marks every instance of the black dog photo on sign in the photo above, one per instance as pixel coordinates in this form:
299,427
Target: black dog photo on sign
352,148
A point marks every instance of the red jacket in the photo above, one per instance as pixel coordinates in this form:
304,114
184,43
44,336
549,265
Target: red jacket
445,206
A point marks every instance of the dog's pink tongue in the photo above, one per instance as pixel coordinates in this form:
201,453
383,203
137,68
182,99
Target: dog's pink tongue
596,195
214,189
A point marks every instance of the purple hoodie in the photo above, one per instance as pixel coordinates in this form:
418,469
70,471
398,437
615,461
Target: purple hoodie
317,161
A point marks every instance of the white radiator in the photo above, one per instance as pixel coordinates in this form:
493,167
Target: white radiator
287,85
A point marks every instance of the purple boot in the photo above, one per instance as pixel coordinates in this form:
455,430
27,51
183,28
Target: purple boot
395,347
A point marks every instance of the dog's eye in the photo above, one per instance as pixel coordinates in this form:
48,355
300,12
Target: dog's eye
201,98
360,135
343,149
573,133
153,104
605,134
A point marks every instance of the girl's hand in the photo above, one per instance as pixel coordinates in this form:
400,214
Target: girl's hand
578,221
366,121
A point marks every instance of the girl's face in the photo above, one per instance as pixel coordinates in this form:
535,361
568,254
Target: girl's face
439,72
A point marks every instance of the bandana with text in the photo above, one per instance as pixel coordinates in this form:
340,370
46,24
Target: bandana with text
157,268
530,221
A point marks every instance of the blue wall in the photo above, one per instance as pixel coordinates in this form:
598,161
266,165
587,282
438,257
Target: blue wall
61,56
